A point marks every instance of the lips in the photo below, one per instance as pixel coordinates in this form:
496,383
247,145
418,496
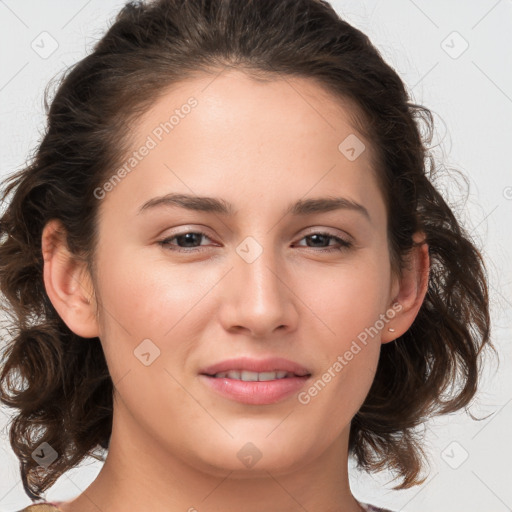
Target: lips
252,381
248,364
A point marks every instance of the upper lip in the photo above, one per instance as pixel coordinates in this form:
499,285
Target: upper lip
256,365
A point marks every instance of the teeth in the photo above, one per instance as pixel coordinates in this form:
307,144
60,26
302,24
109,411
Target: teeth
248,376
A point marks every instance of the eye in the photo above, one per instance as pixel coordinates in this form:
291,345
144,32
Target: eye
187,237
188,240
321,237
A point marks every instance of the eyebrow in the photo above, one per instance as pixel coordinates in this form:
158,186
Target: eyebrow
222,207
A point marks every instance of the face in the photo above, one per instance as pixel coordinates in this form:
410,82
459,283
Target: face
183,288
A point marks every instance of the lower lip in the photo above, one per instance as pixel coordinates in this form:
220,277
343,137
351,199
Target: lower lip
256,392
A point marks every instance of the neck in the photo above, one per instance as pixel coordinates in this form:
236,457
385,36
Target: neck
139,474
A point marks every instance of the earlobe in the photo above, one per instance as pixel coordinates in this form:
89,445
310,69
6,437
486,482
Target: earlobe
67,282
413,287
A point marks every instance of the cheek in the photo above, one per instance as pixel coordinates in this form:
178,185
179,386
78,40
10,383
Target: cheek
170,303
347,307
156,298
348,298
148,298
142,302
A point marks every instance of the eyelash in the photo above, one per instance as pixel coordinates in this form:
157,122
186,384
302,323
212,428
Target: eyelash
345,244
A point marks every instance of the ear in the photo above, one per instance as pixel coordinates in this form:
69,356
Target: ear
68,283
409,291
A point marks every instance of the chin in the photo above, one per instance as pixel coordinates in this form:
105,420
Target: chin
249,459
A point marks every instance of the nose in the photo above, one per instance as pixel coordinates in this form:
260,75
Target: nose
257,299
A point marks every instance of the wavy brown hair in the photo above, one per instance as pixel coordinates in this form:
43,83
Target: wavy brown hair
58,383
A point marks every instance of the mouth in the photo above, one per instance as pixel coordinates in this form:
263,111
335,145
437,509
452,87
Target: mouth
250,369
249,376
255,381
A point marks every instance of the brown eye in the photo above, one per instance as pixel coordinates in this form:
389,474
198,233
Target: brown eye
322,238
186,241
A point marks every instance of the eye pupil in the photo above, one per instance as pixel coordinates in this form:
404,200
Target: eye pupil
316,236
189,237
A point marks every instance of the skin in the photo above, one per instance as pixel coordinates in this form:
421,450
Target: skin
260,146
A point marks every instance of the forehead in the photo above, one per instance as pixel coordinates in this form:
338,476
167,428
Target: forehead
229,134
251,109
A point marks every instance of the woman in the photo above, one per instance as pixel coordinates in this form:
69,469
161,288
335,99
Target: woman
328,298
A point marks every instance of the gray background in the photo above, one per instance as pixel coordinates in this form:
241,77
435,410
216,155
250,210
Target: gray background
470,92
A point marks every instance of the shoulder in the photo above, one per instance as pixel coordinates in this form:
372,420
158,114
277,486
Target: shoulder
372,508
41,507
49,507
